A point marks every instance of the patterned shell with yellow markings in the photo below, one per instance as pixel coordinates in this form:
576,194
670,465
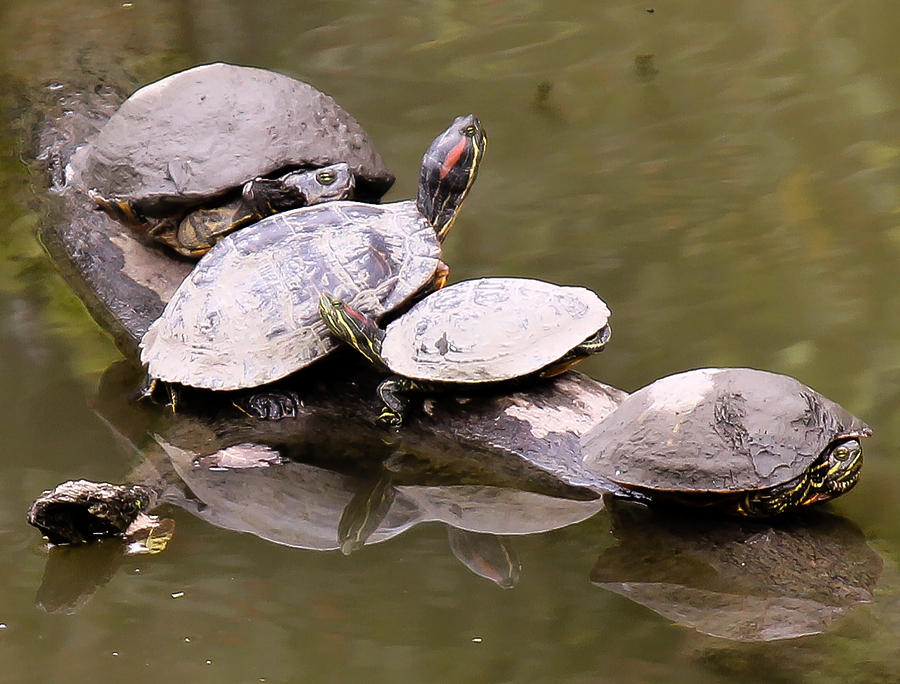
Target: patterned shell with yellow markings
491,329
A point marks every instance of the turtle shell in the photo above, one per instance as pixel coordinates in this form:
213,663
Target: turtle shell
491,329
716,430
198,133
248,312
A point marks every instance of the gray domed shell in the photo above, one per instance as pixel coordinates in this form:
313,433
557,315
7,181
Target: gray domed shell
200,132
716,430
248,313
491,329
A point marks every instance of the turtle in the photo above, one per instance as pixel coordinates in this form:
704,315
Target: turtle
194,138
197,232
247,314
746,442
484,330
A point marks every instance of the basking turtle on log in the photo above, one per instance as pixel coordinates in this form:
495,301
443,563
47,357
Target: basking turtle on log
247,315
744,441
197,232
487,330
228,141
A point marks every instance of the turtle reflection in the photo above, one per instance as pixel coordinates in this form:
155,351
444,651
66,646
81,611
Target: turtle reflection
739,579
489,468
249,487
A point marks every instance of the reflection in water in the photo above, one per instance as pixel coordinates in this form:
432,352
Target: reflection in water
738,208
74,573
487,555
365,512
313,507
741,580
312,483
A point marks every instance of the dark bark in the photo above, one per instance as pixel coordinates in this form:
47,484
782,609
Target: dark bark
79,510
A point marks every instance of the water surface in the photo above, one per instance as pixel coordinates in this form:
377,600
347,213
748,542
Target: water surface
725,175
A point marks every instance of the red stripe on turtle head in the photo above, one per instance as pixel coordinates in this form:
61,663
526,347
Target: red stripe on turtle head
363,321
453,156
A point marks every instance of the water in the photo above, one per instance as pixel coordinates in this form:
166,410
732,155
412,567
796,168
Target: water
725,175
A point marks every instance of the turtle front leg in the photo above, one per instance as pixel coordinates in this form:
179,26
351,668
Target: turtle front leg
200,230
441,275
120,210
166,231
392,392
270,405
148,389
396,406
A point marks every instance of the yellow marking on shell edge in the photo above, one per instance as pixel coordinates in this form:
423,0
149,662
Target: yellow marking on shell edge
126,209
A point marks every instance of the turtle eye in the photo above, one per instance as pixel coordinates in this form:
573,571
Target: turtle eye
470,130
326,177
842,453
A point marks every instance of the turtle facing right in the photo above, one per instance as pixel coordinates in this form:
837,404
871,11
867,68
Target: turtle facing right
192,140
486,330
748,442
247,314
197,232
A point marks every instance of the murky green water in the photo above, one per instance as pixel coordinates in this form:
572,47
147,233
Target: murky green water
725,175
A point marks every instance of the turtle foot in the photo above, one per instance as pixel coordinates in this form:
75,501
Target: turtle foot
150,389
146,390
389,418
271,405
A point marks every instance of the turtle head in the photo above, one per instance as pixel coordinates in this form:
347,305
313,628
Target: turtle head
264,196
351,326
449,168
835,472
327,184
844,459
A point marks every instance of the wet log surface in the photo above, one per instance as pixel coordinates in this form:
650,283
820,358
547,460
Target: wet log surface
124,281
80,510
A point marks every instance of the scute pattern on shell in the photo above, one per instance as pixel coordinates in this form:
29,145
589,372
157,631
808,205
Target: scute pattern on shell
716,430
248,313
202,131
491,329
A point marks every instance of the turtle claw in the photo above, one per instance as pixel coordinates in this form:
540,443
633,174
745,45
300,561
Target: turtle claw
395,404
147,391
173,399
389,418
270,405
